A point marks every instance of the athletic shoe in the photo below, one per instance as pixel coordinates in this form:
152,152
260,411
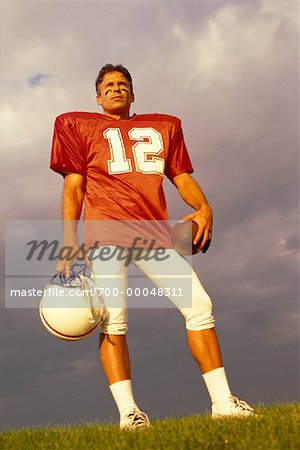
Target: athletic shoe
135,419
236,408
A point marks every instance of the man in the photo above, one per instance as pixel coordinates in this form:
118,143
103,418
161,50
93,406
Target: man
114,163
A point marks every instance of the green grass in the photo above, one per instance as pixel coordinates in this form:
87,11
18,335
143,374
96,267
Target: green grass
276,428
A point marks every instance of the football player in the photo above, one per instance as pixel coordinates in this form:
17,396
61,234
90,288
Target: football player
113,163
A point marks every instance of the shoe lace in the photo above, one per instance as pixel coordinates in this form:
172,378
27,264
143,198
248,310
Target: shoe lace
241,404
137,418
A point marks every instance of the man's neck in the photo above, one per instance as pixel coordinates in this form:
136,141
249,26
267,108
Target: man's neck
121,116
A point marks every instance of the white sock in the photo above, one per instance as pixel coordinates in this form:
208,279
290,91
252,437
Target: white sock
217,386
122,394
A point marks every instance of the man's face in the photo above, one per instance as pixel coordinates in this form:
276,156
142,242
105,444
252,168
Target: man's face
115,94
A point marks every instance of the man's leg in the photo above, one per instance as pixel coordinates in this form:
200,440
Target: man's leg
114,356
204,346
113,350
202,338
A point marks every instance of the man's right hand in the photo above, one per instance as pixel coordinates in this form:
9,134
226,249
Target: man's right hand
69,256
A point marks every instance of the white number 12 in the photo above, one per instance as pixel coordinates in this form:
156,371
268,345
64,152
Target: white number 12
145,153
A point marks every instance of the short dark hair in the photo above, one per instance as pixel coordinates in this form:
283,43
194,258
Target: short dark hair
111,68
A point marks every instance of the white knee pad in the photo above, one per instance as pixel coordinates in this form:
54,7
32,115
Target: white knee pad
114,321
111,275
199,316
196,319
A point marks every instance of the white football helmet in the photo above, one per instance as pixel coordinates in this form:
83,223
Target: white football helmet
71,308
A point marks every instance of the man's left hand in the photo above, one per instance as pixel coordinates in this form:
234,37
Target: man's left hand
204,218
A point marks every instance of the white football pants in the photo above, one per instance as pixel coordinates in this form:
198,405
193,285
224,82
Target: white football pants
173,275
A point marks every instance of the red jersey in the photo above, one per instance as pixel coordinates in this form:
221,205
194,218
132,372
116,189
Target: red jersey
123,162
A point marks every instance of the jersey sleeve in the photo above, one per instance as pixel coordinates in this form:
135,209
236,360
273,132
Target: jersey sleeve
178,160
68,152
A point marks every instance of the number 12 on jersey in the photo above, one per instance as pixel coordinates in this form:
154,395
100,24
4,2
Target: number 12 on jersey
145,153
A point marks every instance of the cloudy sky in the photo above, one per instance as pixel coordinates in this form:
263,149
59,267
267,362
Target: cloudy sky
228,69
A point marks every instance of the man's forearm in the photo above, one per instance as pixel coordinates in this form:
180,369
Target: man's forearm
71,211
72,200
191,192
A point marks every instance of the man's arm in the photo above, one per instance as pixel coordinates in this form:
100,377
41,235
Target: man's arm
71,209
192,194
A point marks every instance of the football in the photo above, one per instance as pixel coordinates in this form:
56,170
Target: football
183,235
